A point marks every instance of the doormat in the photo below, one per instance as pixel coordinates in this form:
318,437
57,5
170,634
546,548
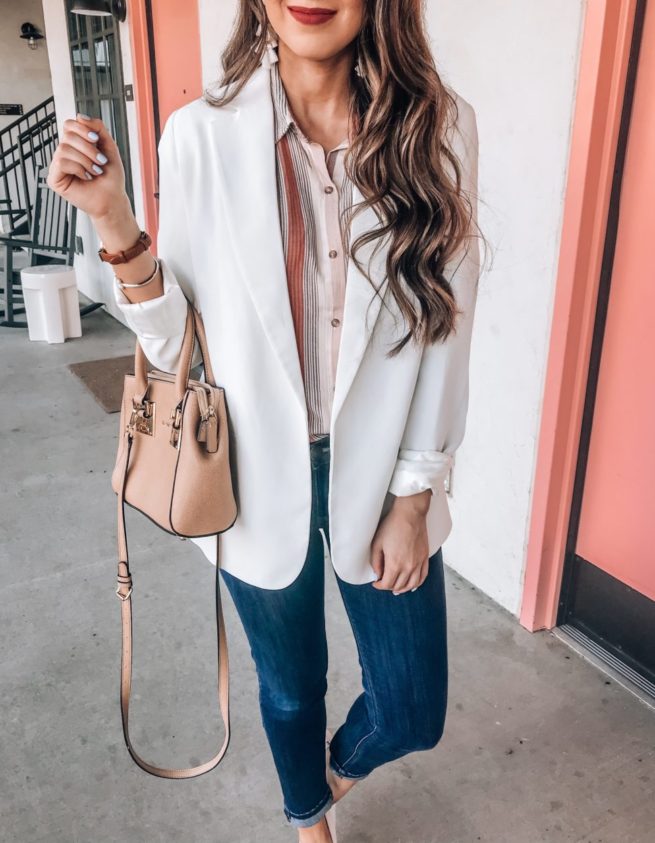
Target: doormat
104,379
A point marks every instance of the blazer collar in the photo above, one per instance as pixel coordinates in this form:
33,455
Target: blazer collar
243,134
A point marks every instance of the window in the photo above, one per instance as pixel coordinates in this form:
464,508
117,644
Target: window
98,77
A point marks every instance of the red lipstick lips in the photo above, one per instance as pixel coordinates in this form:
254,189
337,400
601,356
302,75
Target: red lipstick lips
311,14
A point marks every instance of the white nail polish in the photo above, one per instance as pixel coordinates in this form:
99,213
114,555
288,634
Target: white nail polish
97,169
415,587
87,175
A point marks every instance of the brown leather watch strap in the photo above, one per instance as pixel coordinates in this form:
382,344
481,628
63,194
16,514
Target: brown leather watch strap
143,243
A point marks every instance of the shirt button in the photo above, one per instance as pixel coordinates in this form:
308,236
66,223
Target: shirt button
328,189
335,322
332,253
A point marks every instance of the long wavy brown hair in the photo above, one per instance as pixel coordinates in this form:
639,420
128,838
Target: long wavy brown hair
399,157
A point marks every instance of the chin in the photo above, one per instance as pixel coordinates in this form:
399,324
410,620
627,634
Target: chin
316,51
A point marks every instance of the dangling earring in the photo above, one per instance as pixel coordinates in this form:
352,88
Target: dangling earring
271,46
358,67
270,54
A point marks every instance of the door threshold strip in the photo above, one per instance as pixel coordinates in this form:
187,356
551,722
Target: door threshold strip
625,676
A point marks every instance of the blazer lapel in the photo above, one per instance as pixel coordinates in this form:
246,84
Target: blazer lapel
244,138
243,133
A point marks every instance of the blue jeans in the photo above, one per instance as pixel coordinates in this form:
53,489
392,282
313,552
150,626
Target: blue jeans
402,647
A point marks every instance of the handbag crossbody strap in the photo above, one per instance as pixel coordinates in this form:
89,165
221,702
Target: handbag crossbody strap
124,591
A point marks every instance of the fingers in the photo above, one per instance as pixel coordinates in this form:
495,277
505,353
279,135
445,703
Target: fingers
71,153
90,136
62,168
78,154
402,577
84,147
424,570
385,583
417,577
393,574
377,560
400,583
94,125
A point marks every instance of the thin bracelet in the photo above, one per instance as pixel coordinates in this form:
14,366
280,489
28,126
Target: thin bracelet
123,285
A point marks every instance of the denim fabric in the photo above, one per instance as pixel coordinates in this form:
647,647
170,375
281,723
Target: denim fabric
402,645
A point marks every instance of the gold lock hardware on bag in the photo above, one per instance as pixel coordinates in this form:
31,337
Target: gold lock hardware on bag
142,418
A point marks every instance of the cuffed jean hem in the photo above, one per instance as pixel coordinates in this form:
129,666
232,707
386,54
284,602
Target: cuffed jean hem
304,820
343,773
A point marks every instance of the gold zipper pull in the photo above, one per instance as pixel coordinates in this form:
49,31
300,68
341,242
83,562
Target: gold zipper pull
202,431
211,431
202,401
203,407
208,426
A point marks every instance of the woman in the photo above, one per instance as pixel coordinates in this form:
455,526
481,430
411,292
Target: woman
342,341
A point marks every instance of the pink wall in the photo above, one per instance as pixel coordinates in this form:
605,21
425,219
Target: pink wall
601,85
179,79
177,54
617,524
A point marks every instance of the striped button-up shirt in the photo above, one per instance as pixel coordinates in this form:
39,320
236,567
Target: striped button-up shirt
313,191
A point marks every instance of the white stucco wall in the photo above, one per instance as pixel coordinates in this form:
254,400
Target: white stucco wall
216,20
516,63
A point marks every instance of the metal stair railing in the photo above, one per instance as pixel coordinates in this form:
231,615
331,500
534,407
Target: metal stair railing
26,147
51,239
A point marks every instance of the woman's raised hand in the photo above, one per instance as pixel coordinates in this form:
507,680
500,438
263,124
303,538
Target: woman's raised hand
86,168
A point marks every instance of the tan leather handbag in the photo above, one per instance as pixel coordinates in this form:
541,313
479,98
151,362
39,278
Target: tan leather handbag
173,465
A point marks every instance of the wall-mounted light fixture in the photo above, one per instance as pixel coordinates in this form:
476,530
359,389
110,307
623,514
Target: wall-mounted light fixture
31,34
115,8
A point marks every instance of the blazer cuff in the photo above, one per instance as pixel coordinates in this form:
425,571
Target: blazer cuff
159,318
416,471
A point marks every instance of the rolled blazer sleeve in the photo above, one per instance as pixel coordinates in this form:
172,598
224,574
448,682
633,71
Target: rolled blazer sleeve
437,416
159,322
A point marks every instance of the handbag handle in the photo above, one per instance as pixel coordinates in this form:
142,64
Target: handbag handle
193,328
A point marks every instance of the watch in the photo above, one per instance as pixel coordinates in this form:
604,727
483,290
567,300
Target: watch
125,255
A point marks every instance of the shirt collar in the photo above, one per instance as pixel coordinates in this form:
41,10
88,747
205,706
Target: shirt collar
284,119
283,116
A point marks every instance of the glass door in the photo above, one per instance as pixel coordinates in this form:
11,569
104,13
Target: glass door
98,77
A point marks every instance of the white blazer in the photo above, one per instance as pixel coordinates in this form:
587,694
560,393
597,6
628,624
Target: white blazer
395,423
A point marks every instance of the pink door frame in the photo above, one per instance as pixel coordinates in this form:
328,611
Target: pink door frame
187,76
605,54
145,110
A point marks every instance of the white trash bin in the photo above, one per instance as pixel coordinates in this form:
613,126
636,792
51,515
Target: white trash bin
51,302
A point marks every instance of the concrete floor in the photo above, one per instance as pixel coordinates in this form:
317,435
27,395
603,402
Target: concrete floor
539,747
